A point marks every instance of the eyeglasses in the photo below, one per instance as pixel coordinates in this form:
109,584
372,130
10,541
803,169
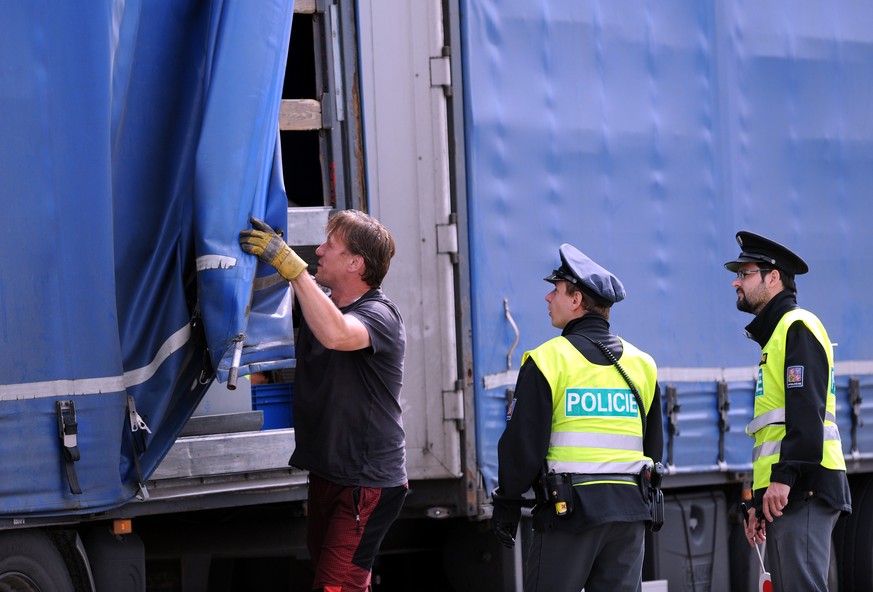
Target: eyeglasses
743,273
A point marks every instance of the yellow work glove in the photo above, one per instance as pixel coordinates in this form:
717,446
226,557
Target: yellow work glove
270,248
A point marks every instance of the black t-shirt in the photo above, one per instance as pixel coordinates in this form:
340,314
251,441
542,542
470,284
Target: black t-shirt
347,419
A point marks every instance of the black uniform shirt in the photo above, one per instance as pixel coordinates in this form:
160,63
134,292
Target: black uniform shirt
525,442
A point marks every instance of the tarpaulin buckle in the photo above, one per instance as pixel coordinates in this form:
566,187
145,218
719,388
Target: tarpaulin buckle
136,421
68,431
137,428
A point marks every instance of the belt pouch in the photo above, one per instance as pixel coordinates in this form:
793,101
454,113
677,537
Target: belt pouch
560,492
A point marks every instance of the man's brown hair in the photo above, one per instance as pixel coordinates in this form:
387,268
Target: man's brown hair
365,236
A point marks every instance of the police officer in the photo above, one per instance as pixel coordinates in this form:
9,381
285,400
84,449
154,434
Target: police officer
575,427
799,474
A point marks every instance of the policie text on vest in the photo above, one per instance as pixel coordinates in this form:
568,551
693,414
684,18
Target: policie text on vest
582,402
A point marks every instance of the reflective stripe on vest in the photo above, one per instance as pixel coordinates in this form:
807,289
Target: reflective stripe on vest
596,426
599,440
768,425
771,448
775,416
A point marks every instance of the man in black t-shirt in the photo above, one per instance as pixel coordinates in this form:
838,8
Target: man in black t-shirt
347,415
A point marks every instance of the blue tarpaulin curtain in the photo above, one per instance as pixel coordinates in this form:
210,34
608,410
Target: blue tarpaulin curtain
647,134
136,140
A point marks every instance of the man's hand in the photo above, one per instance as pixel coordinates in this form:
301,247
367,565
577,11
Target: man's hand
755,528
505,532
775,500
270,248
504,520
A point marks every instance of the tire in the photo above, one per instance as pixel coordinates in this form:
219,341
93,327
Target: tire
863,542
853,538
29,562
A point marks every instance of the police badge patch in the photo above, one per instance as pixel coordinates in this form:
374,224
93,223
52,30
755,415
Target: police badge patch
794,377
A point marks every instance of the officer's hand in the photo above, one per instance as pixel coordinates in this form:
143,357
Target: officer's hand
270,248
775,500
504,520
505,532
755,528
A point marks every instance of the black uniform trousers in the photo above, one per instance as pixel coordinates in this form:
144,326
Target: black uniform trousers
605,558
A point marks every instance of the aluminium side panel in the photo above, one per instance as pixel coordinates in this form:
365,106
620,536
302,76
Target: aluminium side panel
407,164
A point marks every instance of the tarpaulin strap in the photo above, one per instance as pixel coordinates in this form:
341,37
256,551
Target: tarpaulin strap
855,408
673,408
724,426
137,428
68,429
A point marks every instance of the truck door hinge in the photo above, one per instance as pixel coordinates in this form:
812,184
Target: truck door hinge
453,403
441,71
447,239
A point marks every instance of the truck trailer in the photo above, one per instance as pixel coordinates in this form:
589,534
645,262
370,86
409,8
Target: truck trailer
139,137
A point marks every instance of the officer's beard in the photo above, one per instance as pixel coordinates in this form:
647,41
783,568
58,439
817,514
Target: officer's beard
752,306
744,305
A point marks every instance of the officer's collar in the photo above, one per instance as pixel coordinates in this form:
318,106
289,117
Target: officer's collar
762,326
589,319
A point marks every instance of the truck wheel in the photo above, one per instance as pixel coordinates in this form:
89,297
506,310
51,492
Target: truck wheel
29,562
853,538
863,542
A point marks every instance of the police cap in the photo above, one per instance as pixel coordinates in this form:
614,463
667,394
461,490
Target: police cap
768,253
588,276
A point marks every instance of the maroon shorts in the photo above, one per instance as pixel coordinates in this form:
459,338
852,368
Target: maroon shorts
345,530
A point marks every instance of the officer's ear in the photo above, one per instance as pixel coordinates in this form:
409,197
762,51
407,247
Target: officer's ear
578,300
772,277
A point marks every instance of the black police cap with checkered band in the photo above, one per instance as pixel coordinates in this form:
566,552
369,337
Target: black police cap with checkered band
766,253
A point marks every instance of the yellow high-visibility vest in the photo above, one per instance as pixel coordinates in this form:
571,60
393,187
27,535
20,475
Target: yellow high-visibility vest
596,427
768,425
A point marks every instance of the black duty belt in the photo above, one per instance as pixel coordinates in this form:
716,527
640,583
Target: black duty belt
579,479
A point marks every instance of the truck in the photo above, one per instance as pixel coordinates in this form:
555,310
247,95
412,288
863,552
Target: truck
138,138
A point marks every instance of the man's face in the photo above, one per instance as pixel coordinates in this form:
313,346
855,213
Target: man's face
751,288
562,306
333,260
